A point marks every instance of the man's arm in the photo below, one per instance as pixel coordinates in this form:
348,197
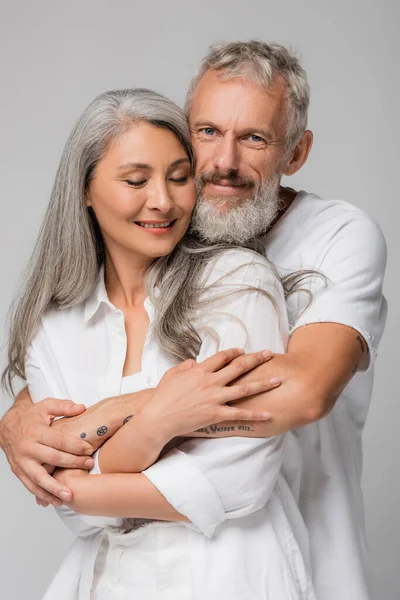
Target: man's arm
29,442
322,358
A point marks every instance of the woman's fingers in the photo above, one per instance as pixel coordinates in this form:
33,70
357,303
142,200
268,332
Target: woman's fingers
221,359
241,365
243,390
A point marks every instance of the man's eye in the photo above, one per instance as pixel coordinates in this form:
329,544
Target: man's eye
208,131
255,138
135,183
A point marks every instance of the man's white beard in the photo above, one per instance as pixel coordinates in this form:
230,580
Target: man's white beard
245,220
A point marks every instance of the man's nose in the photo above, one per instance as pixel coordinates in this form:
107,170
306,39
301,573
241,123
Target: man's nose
226,157
159,198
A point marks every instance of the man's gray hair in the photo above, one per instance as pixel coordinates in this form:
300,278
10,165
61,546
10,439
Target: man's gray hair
263,63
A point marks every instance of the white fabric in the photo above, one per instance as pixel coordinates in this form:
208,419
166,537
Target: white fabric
246,538
343,243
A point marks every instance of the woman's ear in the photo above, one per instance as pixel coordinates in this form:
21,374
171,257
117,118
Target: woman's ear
299,154
88,202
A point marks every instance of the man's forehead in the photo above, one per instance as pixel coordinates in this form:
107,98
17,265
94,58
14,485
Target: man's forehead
239,101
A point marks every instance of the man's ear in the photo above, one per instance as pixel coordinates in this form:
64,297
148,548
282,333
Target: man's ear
299,154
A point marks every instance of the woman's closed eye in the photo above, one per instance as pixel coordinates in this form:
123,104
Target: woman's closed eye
136,184
180,180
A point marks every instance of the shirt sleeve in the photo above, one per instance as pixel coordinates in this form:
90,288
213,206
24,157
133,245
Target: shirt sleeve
39,389
211,480
354,266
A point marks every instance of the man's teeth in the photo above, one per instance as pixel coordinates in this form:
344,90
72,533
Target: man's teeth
155,225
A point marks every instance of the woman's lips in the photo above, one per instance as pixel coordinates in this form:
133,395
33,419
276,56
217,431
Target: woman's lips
156,227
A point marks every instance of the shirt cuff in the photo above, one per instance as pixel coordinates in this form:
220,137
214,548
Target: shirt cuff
188,490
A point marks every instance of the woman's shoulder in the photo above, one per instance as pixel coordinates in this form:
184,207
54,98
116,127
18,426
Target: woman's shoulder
241,266
55,322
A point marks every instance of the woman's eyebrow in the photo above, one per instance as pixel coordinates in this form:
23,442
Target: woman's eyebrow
180,161
131,165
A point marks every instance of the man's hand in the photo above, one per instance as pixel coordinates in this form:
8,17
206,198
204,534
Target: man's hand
29,442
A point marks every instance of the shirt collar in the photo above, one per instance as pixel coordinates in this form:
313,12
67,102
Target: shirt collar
97,297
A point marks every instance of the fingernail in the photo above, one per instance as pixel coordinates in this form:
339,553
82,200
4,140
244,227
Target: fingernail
89,462
274,380
266,415
266,353
57,503
64,495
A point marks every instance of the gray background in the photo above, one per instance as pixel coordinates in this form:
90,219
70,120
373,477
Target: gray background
57,56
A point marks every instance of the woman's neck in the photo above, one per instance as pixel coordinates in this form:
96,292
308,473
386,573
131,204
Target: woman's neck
125,278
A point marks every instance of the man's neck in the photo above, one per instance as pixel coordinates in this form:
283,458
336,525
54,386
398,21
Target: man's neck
287,196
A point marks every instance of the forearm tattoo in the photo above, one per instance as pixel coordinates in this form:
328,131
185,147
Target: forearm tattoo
102,430
128,418
223,428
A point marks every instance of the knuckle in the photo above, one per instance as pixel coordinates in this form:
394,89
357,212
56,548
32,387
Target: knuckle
240,366
243,390
226,355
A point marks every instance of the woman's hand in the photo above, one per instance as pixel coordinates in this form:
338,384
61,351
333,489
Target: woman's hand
195,395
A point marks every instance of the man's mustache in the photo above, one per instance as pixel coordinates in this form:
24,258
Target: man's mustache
218,178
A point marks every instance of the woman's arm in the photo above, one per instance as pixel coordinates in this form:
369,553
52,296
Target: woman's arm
116,495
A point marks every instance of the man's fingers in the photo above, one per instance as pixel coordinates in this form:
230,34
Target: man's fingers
61,408
54,438
44,486
220,359
41,494
242,365
56,458
41,502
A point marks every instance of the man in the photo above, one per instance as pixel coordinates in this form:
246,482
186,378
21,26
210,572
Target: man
247,110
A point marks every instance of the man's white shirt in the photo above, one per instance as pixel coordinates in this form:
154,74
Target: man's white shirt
345,245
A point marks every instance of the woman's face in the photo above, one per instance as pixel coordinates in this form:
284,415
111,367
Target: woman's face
143,193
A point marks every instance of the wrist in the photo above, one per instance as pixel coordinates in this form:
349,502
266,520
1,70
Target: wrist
152,430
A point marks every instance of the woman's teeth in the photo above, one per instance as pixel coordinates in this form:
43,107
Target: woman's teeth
155,225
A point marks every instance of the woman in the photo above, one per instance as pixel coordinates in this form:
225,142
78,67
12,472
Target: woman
119,294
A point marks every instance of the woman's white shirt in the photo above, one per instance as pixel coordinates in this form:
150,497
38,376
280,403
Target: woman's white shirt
224,486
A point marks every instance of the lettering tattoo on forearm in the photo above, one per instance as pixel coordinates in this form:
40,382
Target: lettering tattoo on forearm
128,418
361,341
224,428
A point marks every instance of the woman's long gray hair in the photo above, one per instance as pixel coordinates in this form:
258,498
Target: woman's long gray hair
65,264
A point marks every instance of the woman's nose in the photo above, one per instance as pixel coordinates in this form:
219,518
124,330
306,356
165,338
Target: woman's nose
160,199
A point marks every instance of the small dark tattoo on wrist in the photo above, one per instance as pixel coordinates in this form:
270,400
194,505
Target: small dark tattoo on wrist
128,418
102,430
83,435
361,343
